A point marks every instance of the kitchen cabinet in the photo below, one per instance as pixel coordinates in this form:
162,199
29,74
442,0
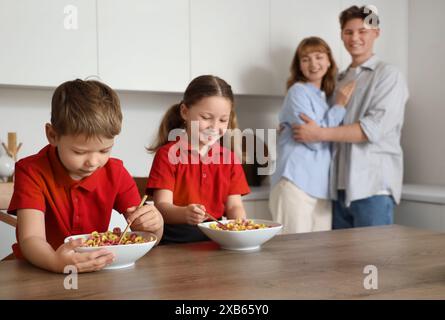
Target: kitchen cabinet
7,236
230,39
422,206
251,44
144,45
160,46
291,21
7,232
257,209
423,215
256,203
47,42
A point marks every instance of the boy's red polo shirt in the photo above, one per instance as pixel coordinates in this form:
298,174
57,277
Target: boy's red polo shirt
70,207
203,182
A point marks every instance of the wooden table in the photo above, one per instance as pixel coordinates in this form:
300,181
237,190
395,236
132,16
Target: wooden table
322,265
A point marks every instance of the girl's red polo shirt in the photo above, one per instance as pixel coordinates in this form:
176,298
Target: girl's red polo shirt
204,182
70,207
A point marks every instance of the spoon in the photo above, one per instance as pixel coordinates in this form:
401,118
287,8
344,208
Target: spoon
128,224
221,225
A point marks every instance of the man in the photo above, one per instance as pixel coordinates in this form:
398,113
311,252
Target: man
367,167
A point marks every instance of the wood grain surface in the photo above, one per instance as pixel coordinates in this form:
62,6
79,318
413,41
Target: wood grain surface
320,265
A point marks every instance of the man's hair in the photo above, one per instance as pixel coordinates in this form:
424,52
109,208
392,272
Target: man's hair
355,12
86,107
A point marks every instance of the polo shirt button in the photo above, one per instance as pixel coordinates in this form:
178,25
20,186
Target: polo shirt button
204,175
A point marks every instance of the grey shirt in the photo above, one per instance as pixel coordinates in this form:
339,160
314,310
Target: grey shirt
378,104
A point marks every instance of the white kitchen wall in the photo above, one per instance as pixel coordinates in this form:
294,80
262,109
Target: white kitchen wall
424,129
26,110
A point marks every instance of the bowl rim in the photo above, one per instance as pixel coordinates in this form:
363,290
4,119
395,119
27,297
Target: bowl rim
206,225
115,246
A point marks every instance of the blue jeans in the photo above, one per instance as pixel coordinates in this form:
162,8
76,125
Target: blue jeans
372,211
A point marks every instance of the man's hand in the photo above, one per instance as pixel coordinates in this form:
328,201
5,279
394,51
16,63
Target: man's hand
308,132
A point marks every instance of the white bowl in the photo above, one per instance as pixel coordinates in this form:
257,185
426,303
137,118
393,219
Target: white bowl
125,254
246,240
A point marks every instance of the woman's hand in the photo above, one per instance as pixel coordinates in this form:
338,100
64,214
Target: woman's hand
344,94
82,261
195,213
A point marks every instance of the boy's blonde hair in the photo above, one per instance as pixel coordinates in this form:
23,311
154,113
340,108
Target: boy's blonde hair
86,107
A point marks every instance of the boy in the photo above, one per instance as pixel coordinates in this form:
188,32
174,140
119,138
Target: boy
367,166
71,186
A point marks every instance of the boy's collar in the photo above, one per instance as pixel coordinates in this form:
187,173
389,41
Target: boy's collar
64,179
371,63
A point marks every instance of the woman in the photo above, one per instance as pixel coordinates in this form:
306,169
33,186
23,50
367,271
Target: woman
299,198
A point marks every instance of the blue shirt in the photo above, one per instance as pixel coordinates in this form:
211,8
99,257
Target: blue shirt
306,164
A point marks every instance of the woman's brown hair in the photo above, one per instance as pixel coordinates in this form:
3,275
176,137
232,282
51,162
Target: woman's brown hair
200,87
306,46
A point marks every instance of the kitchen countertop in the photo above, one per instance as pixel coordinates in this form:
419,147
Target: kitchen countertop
257,193
424,193
320,265
412,192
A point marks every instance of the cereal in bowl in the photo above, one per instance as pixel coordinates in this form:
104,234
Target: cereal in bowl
111,238
239,225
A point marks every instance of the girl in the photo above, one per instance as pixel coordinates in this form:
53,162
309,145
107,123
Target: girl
194,175
299,198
